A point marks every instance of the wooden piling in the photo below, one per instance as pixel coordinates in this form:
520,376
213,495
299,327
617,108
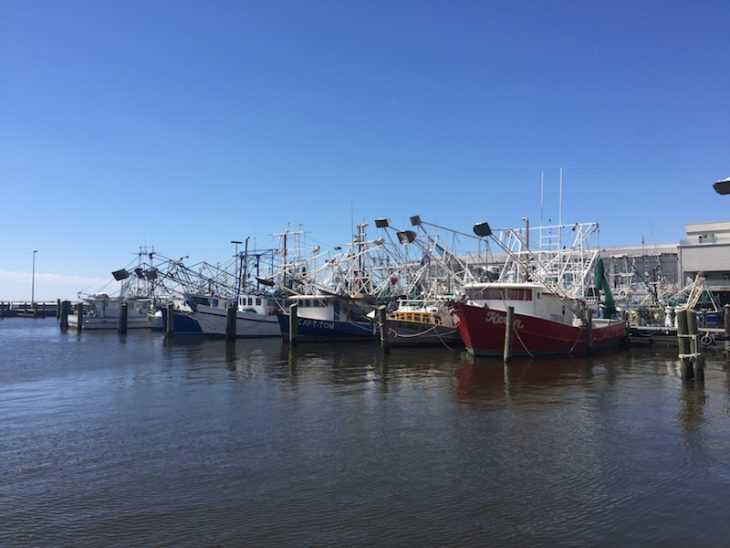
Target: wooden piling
58,309
123,313
508,327
231,322
383,325
692,330
63,317
683,343
294,324
589,332
170,326
694,344
726,325
80,315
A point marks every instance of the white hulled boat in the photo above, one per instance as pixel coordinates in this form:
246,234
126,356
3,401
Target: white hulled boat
102,312
255,316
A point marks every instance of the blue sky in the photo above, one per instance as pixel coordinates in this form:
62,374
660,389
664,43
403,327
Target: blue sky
184,125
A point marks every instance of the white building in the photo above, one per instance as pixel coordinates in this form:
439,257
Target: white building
707,250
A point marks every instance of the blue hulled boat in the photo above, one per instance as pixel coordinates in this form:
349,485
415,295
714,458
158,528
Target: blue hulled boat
331,318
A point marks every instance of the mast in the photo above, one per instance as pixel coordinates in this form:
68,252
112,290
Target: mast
542,206
560,221
284,249
244,262
560,206
238,267
286,232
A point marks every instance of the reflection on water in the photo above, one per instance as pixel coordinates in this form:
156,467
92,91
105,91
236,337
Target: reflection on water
693,399
491,380
147,440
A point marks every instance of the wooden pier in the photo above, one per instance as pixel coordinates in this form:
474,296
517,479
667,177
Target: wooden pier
667,336
671,336
27,309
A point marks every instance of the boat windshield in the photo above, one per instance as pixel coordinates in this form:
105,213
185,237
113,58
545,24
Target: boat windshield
499,293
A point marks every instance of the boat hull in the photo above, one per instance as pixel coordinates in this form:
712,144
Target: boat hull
213,321
482,331
404,333
310,330
98,324
183,322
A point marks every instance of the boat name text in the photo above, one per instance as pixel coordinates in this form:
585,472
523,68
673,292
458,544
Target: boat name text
316,324
501,319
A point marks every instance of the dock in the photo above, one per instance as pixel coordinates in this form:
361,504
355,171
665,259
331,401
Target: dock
667,336
27,309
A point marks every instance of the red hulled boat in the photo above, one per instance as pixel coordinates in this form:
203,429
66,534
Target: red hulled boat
544,323
546,290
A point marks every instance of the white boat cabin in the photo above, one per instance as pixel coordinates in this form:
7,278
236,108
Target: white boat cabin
101,305
528,299
257,304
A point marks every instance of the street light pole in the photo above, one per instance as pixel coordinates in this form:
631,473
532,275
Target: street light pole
32,286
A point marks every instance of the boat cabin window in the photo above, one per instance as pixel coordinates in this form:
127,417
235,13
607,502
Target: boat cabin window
313,303
258,301
499,293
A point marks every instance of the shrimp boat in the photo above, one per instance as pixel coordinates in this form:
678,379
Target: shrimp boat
423,275
546,291
255,316
183,318
102,312
418,323
330,318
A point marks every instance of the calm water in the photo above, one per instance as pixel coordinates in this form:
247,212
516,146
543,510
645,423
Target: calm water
132,441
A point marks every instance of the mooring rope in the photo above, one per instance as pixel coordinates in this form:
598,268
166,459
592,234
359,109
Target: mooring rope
514,329
415,334
435,326
576,341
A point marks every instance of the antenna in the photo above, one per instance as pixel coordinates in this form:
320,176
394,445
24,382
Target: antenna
542,194
560,212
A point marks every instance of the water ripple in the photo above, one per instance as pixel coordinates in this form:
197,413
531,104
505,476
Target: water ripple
146,441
